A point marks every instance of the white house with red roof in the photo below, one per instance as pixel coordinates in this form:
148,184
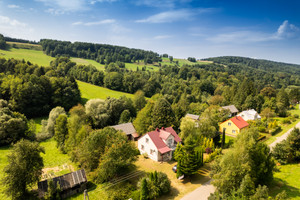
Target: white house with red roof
159,144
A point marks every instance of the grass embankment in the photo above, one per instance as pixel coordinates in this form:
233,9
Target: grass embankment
90,91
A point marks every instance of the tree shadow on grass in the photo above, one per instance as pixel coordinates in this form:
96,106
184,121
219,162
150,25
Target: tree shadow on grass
278,185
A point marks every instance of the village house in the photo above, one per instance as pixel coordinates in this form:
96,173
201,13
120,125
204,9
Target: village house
233,126
160,144
128,129
233,110
250,115
70,184
192,116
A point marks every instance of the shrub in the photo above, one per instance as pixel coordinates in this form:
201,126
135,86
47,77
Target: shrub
208,150
262,129
296,116
286,121
213,155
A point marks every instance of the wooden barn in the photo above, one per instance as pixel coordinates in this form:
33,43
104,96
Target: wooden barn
70,184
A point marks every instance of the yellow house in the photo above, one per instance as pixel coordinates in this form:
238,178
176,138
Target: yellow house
233,126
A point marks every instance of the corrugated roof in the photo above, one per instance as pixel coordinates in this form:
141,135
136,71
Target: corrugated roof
232,108
127,128
65,181
239,122
192,116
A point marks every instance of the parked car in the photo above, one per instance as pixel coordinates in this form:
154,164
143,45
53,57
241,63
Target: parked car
174,169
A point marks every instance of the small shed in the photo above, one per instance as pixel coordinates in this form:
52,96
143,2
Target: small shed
192,116
233,110
70,184
128,129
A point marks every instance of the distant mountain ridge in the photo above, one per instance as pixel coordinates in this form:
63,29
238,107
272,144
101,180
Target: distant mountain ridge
265,65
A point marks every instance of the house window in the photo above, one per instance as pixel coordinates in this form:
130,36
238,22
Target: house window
229,124
142,147
147,140
233,131
151,151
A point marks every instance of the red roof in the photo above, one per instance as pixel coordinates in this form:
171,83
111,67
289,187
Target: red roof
172,131
159,134
239,122
158,142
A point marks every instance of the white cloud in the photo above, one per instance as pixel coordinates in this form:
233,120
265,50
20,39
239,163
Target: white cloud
161,3
101,1
175,15
101,22
62,6
13,6
15,28
160,37
285,31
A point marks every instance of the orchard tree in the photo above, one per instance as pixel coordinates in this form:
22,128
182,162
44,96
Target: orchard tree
24,168
53,115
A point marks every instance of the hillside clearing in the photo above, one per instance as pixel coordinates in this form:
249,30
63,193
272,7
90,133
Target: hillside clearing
90,91
34,56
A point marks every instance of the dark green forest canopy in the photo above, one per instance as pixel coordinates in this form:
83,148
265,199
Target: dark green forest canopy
265,65
102,53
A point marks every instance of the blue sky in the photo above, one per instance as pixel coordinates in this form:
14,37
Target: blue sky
202,28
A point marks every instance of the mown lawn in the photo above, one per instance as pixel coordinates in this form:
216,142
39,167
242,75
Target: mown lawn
90,91
288,179
34,56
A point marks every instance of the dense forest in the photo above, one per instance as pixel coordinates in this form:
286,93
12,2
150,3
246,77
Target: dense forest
102,53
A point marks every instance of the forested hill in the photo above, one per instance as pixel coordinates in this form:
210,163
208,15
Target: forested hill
102,53
266,65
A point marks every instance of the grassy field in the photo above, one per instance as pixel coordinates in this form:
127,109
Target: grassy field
90,91
34,56
288,179
82,61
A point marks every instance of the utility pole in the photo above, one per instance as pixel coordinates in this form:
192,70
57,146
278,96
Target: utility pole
86,195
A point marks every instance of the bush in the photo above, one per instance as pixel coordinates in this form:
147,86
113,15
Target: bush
213,155
120,191
275,130
262,129
296,116
154,185
286,121
145,155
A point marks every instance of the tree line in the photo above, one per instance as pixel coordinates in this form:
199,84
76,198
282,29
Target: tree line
102,53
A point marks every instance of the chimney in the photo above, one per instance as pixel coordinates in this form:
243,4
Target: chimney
157,129
162,128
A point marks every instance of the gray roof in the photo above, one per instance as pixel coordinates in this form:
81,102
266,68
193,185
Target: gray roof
127,128
232,108
195,117
65,181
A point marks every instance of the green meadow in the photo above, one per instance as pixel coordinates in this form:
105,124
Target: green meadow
82,61
90,91
34,56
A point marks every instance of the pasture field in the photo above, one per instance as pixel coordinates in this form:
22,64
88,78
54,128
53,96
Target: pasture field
90,91
34,56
